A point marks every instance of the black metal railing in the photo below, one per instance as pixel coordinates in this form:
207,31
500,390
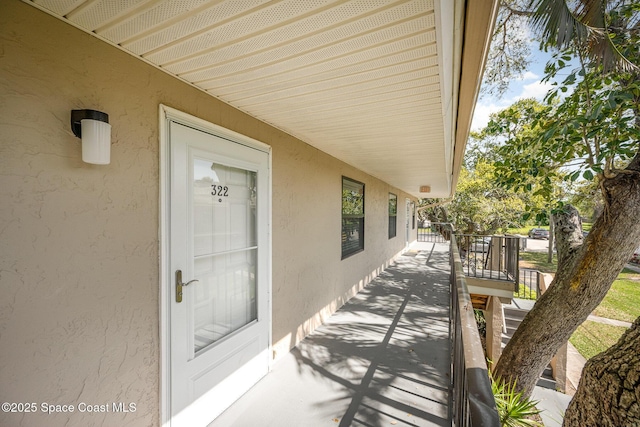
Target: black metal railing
472,401
435,232
522,241
490,257
528,286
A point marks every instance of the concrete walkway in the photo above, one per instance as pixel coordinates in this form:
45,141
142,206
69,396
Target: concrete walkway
575,364
611,322
633,267
553,405
383,359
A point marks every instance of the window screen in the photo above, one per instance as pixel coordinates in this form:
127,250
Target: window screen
393,213
352,217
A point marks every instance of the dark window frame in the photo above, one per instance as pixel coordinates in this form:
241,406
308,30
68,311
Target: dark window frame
353,216
393,215
413,214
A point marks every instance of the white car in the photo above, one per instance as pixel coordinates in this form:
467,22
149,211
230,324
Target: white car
480,244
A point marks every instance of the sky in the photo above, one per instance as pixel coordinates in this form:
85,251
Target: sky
529,86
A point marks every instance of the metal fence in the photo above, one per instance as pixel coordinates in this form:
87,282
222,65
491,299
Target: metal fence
528,286
473,403
434,232
490,257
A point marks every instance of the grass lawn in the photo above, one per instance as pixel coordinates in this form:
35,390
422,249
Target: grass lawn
524,231
538,261
592,338
525,292
586,226
623,299
621,303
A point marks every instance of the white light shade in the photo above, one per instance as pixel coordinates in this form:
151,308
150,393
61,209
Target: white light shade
96,142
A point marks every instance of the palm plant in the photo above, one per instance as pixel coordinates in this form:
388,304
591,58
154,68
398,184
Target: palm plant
514,409
586,25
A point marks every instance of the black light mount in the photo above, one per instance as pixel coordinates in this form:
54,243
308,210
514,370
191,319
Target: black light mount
78,115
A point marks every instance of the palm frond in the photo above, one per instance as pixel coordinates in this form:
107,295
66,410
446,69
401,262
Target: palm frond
584,27
514,409
557,24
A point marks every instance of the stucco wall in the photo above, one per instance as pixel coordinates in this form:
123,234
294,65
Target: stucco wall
79,273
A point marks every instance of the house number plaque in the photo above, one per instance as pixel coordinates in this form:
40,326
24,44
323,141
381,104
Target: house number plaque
220,191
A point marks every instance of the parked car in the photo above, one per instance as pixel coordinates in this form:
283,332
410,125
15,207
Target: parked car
480,244
539,233
635,258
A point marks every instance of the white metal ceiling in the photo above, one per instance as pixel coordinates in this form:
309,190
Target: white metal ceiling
359,79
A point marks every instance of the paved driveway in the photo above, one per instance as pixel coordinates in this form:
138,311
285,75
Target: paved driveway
537,245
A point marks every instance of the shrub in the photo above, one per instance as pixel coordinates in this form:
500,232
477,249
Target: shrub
514,410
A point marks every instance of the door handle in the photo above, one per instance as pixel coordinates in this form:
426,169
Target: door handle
179,285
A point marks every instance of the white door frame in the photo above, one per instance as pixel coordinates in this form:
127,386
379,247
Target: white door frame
168,115
407,223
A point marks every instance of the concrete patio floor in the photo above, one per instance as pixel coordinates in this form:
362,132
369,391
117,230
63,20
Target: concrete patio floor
383,359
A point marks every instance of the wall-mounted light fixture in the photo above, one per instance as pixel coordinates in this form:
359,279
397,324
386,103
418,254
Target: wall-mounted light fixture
95,131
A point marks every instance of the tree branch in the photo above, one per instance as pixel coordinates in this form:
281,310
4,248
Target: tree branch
518,12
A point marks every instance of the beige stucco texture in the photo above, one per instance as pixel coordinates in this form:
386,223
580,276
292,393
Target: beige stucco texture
79,243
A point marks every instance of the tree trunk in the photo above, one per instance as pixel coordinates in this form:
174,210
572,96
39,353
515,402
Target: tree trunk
609,390
552,238
585,274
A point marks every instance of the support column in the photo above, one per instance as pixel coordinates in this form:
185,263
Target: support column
495,322
495,261
559,368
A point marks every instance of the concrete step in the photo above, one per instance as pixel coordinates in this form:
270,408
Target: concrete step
546,379
512,323
514,313
549,383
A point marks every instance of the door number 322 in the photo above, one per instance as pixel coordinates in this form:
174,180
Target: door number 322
219,190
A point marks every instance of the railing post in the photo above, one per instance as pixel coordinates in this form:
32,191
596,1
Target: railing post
495,322
436,232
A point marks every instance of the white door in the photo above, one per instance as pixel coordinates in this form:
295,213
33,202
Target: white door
219,326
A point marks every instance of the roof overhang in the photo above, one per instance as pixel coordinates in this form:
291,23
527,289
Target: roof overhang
386,86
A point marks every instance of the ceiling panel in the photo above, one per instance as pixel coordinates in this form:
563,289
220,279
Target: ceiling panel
359,79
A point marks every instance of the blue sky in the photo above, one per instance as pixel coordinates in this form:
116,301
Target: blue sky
529,86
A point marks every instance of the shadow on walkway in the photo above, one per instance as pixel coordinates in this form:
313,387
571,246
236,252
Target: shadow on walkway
382,359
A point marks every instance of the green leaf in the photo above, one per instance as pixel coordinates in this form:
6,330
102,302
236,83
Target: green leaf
571,79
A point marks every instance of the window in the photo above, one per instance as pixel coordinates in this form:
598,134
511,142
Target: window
393,213
352,217
413,215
